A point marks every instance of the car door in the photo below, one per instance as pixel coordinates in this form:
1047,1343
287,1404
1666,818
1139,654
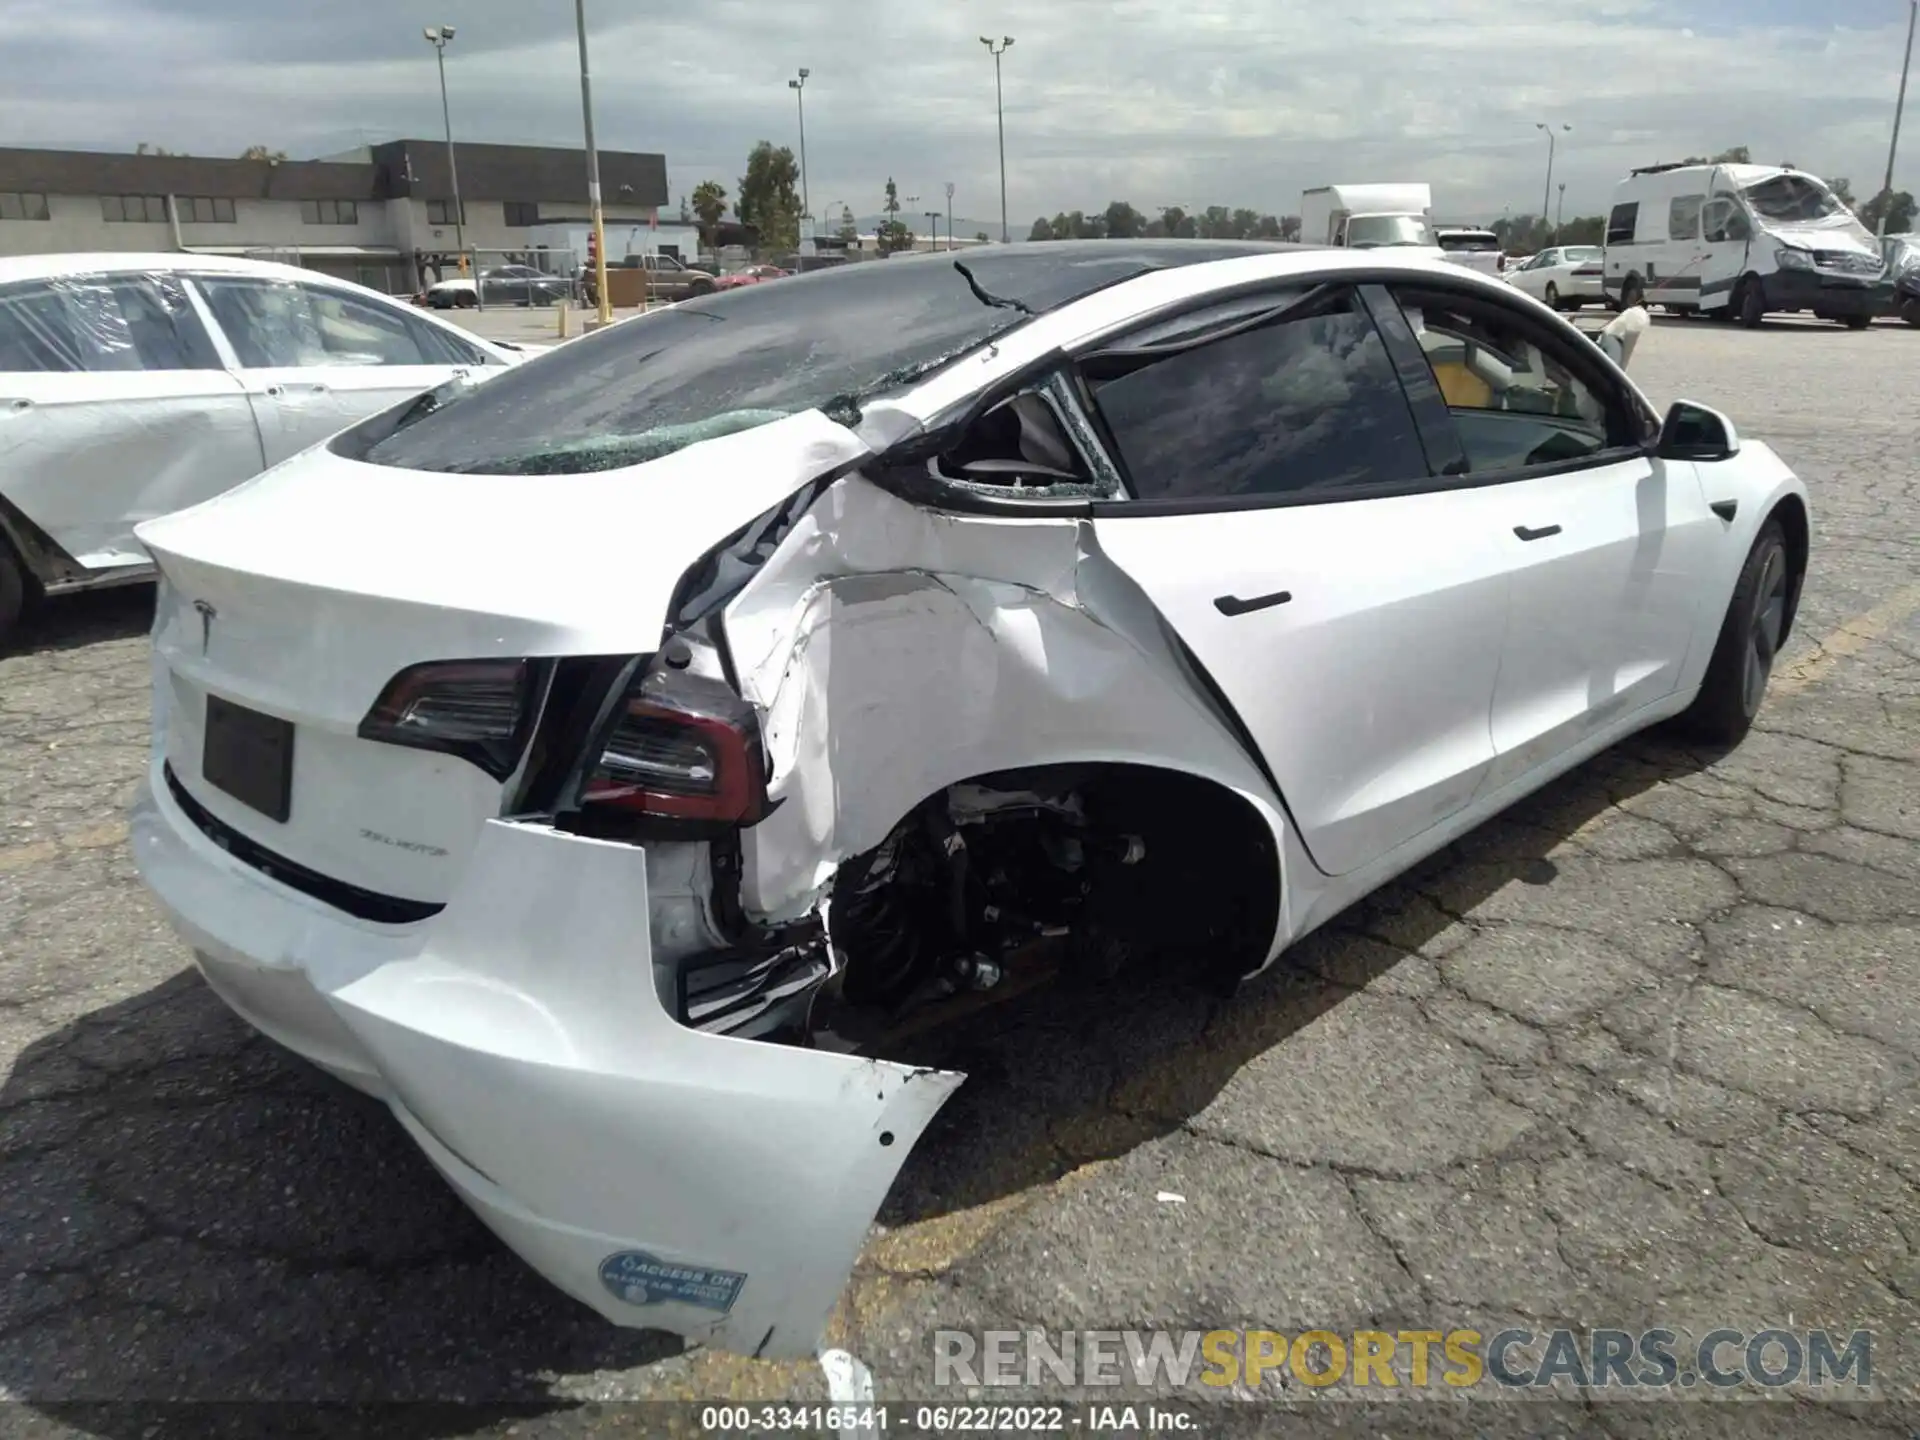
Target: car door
1284,520
314,358
1724,237
1606,545
1533,276
114,408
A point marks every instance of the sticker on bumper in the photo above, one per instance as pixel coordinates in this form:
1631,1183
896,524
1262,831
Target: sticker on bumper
642,1279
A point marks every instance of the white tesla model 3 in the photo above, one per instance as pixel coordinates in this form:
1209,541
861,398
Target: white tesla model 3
593,762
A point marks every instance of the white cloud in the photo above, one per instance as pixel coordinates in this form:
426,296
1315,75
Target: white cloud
1208,101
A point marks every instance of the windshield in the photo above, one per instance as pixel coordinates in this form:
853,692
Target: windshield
747,356
1469,240
1793,199
1364,232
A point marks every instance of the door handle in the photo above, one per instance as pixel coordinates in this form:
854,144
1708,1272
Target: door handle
1231,605
1542,533
276,390
1725,509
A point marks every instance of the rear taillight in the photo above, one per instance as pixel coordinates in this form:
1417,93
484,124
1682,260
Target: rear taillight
479,710
680,749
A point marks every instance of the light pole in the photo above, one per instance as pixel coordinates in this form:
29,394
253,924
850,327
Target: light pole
949,215
1000,109
1547,198
933,229
604,300
1560,212
1893,147
438,36
799,88
909,200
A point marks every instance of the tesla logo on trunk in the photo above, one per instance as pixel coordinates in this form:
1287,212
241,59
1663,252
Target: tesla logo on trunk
207,615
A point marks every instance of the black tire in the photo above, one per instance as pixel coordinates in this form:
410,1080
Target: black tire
1750,303
465,300
1910,312
1750,636
1856,322
1552,297
13,592
1632,293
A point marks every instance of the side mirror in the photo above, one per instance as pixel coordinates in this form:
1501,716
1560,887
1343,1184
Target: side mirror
1694,432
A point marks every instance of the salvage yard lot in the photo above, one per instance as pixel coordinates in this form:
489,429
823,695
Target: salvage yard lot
1643,1052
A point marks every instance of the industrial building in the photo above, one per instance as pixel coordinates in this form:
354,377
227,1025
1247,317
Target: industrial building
382,215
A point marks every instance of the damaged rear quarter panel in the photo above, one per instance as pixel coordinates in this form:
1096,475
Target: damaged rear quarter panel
897,650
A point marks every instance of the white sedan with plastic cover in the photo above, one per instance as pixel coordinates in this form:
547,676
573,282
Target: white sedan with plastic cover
132,385
604,765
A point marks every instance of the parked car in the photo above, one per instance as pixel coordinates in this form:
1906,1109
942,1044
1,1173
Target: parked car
132,385
752,275
1903,269
1471,246
503,285
1565,277
1109,606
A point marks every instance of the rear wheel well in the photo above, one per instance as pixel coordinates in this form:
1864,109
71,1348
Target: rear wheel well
1791,512
1110,866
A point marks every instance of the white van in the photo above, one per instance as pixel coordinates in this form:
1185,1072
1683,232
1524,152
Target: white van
1741,241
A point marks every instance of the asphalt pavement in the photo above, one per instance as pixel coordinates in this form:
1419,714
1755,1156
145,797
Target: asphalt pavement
1641,1052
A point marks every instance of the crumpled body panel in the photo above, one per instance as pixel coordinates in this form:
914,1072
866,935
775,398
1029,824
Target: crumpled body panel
897,651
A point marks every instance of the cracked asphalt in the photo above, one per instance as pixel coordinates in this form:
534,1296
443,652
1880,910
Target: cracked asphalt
1642,1052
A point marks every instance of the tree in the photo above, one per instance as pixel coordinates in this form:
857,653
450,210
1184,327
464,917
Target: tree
980,235
1898,207
1584,230
1042,230
893,234
1176,223
1842,189
143,148
259,152
849,231
1738,155
1123,222
769,198
1244,223
710,206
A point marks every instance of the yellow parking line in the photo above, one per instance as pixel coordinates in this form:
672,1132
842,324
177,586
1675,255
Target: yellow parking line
1850,639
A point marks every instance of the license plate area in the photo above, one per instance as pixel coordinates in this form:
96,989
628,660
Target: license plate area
250,757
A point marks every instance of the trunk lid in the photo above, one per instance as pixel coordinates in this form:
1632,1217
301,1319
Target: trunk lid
301,594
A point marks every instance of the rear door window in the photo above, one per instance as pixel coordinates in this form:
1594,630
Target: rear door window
1304,404
102,323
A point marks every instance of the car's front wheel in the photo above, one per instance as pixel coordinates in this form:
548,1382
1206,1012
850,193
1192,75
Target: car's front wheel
1750,638
1552,297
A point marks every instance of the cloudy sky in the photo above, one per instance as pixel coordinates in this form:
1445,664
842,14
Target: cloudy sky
1236,102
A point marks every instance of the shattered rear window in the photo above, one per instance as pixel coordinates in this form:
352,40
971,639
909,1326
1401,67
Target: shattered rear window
745,357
